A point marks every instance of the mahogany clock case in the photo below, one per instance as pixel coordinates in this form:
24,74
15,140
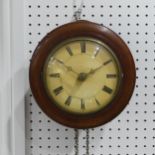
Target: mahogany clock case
73,30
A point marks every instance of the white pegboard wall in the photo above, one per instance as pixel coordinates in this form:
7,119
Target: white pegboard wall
133,131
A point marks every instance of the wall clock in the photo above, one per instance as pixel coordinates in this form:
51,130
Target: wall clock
82,74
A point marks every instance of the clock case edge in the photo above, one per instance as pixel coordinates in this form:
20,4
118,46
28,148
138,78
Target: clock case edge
79,29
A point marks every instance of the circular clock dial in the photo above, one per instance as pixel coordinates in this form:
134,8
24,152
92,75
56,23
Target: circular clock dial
82,75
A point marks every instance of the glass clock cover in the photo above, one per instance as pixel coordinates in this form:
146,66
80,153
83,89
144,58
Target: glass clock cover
82,75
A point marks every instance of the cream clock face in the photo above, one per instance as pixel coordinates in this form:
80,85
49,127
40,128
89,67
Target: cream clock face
82,75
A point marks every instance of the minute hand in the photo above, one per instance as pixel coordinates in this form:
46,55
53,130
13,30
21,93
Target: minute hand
92,71
68,67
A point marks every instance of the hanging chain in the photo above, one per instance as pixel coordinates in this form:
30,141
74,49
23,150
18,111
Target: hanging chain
76,141
76,138
77,12
87,141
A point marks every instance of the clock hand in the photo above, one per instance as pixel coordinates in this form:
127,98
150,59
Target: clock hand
69,68
92,71
83,76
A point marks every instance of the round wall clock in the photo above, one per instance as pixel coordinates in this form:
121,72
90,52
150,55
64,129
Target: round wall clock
82,74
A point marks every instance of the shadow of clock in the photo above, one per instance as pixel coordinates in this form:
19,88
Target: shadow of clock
45,136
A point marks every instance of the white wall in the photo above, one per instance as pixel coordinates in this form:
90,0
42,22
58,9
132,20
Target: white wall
12,86
5,78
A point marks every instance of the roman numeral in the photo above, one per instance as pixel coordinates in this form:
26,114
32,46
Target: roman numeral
82,104
107,62
55,75
83,47
69,51
98,103
58,90
107,89
96,52
68,100
111,76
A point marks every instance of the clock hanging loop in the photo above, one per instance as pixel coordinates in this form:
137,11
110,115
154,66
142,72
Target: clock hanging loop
77,12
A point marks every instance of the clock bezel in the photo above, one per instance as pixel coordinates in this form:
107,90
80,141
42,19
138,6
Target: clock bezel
89,40
80,29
